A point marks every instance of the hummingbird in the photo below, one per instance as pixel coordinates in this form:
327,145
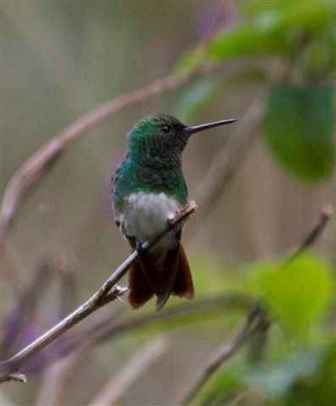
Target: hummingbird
148,189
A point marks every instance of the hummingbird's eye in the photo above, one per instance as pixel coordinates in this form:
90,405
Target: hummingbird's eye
165,129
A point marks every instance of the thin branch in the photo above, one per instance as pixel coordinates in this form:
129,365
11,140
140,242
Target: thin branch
224,354
114,390
14,377
314,234
24,309
107,292
108,328
102,329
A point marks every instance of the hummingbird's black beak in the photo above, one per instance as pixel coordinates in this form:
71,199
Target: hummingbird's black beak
202,127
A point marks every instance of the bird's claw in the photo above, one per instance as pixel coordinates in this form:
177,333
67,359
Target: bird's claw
139,246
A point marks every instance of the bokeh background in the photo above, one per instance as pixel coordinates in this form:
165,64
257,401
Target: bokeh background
60,59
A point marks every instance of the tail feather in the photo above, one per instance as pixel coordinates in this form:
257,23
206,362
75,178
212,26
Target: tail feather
174,277
183,285
168,277
139,289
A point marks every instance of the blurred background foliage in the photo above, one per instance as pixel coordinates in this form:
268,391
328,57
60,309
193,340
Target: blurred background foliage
60,59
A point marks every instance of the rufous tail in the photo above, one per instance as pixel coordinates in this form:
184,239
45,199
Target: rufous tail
174,277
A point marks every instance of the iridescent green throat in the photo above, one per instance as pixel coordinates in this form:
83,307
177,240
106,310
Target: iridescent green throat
153,162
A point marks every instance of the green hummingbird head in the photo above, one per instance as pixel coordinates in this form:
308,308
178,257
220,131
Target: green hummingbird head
162,138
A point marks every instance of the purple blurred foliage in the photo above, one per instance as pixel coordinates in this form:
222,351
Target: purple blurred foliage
30,318
221,15
24,308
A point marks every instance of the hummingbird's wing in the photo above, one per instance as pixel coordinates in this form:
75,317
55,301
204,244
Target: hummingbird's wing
115,178
180,280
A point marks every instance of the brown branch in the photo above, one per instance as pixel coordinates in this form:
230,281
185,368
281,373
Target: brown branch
108,328
314,234
102,329
34,168
14,377
113,391
224,353
108,292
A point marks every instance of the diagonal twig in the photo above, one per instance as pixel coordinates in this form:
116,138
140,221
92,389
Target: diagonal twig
314,234
108,292
223,354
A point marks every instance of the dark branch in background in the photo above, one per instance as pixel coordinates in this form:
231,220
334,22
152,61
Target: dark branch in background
108,328
259,340
105,294
257,321
314,234
25,307
250,327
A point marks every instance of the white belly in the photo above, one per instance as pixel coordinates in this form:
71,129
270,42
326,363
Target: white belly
146,215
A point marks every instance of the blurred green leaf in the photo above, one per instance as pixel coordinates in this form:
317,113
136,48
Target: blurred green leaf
298,294
318,59
254,7
277,28
249,40
306,15
299,127
276,380
271,28
223,386
191,61
319,388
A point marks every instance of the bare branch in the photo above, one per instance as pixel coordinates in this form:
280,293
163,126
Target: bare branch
14,377
108,328
223,354
113,391
106,293
314,234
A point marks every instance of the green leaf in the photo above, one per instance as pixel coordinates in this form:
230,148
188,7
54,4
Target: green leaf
191,61
275,29
249,40
222,387
305,15
298,295
299,127
276,380
318,60
319,388
272,28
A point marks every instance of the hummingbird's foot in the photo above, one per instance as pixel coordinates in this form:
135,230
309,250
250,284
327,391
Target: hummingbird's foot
139,246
